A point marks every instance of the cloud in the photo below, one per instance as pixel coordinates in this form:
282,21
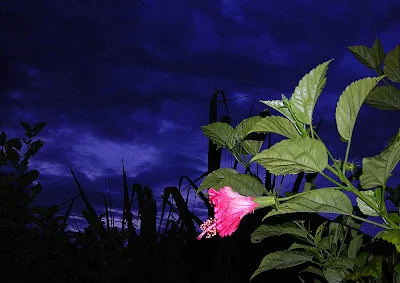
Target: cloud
139,76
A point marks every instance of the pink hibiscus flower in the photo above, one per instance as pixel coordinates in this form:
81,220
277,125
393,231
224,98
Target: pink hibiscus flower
229,207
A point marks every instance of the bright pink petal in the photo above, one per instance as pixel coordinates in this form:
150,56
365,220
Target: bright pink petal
229,207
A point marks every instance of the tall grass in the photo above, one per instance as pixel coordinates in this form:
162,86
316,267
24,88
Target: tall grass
102,252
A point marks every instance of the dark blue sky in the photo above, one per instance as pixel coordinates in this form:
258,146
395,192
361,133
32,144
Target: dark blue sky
138,75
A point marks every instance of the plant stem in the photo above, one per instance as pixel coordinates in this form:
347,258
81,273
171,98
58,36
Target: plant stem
330,168
333,181
369,221
342,242
346,157
329,153
383,214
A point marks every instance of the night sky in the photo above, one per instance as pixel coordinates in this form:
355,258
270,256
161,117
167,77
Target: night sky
137,77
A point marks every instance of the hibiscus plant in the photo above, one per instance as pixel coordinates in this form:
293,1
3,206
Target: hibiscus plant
333,250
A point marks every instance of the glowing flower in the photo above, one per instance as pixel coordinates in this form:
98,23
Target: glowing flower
229,207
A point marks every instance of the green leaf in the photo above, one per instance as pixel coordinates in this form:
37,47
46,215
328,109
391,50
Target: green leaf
397,268
38,127
335,232
333,275
395,215
361,259
37,189
28,178
278,125
365,208
27,128
341,263
319,232
279,106
324,244
384,98
354,246
13,156
16,143
312,269
280,260
222,134
372,268
250,145
244,127
326,200
392,236
378,169
391,67
265,231
306,93
34,147
294,156
349,105
308,248
244,184
370,57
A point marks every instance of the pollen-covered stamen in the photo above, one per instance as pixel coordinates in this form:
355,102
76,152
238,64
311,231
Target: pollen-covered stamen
209,228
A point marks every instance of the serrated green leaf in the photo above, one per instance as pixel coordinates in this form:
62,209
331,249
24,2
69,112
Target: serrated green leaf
324,244
341,263
319,232
251,146
38,127
361,259
354,246
244,127
280,260
306,93
397,268
308,248
294,156
372,268
312,269
278,125
365,208
13,156
395,215
34,147
279,106
265,231
384,98
392,236
27,178
244,184
324,200
222,134
378,169
335,231
16,143
26,127
391,67
349,105
333,275
370,57
36,189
